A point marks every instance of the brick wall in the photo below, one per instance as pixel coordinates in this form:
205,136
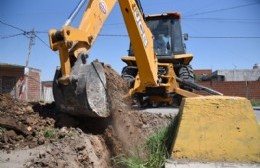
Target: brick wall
34,85
199,73
250,90
202,71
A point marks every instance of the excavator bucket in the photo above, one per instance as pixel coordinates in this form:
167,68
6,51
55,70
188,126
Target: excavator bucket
217,128
85,95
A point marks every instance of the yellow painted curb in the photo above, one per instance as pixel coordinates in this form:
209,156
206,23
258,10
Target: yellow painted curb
217,128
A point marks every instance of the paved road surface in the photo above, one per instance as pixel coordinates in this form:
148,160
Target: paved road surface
257,113
163,110
175,164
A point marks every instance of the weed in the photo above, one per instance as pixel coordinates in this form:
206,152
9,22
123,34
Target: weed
2,129
255,102
156,149
50,133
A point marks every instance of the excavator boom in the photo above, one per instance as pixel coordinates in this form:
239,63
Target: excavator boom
79,87
71,42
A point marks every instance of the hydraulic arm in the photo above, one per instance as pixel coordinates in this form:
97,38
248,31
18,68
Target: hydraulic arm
71,42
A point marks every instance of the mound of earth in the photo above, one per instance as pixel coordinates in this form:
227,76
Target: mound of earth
54,139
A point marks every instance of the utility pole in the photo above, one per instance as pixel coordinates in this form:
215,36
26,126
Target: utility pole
24,81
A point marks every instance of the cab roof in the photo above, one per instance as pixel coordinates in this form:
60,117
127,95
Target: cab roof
175,15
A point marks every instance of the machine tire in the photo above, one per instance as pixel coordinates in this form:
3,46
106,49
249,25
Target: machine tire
186,74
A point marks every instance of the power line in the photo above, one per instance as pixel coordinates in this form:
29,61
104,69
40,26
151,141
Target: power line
28,34
224,20
113,35
201,8
17,28
42,41
200,19
201,37
225,37
25,33
41,32
228,19
223,9
10,36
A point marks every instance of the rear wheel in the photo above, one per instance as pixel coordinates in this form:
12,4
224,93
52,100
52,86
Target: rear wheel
186,74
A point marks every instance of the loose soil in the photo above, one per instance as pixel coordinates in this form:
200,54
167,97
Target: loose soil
40,136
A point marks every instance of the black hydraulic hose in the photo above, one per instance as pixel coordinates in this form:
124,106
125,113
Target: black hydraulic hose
198,87
75,12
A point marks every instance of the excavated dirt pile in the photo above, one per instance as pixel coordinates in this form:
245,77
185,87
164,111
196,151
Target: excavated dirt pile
54,139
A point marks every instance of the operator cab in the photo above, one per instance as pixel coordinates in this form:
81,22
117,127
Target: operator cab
166,30
167,43
167,34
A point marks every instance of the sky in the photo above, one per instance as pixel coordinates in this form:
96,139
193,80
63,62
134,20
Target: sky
200,19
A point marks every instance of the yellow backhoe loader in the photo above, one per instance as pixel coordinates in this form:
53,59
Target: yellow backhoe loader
157,66
158,69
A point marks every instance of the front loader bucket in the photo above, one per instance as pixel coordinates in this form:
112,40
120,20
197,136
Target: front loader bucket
85,95
217,129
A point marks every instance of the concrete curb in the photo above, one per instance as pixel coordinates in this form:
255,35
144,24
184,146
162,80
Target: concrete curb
189,164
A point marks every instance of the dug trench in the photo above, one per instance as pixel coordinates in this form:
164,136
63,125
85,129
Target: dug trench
37,135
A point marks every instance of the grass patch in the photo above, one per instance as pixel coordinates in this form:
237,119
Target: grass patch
2,129
50,133
255,102
156,151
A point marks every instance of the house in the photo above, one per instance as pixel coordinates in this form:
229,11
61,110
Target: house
234,75
235,82
47,94
20,82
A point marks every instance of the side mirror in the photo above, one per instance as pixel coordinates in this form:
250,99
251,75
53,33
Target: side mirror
185,36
